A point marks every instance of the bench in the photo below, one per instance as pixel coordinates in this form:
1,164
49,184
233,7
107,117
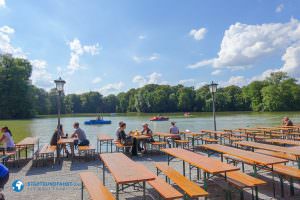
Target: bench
190,188
277,154
121,146
209,141
45,153
86,151
241,180
158,144
96,190
181,143
165,190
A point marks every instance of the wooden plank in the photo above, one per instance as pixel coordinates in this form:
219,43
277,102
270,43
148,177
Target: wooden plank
245,180
190,188
125,170
104,137
283,141
257,145
96,190
249,156
28,141
210,165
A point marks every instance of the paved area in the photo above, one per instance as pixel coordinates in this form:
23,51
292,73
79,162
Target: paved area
62,181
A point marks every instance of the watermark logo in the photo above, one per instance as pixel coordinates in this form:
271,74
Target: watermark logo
17,186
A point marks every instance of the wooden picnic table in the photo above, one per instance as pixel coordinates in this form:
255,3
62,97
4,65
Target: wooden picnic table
104,139
208,165
256,145
70,141
28,142
125,171
193,136
283,142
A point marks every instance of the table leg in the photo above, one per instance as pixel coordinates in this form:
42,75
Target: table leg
72,149
117,191
292,191
81,190
26,152
107,146
144,190
205,181
281,186
183,168
256,193
298,160
111,144
103,173
193,143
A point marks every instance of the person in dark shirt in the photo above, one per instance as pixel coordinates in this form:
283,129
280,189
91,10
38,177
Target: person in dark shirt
287,122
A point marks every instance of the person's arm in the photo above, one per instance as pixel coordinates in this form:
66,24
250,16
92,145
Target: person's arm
170,130
2,138
74,134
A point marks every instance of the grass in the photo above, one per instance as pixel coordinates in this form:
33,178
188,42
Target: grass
19,128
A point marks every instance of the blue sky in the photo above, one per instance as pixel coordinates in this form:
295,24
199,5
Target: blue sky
112,46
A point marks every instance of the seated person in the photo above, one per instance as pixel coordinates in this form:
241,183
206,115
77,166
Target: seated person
287,122
59,133
7,139
118,129
147,131
127,140
174,130
80,135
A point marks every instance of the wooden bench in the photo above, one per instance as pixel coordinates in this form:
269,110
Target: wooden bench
241,180
277,154
86,151
158,144
181,143
96,190
190,188
209,141
121,146
165,190
45,153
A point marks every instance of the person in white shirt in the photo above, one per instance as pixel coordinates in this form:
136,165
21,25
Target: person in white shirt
7,139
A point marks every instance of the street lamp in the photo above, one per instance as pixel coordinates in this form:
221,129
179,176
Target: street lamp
59,88
213,89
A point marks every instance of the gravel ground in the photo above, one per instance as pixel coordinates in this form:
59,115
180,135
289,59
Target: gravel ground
68,171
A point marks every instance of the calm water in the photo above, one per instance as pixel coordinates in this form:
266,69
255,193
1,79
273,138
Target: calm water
44,127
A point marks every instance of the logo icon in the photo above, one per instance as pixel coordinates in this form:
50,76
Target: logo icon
17,186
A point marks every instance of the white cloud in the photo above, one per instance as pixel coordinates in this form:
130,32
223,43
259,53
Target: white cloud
6,47
153,78
142,37
97,80
244,44
202,63
111,88
140,59
77,50
2,4
279,8
235,80
291,60
40,76
216,72
198,34
190,81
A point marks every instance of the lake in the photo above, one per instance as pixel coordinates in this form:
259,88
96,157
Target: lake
44,127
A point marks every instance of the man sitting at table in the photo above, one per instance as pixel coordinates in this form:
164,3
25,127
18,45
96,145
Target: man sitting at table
80,134
287,122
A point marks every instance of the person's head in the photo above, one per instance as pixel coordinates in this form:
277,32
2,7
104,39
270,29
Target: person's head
173,123
145,126
120,123
60,127
76,125
285,118
5,129
123,126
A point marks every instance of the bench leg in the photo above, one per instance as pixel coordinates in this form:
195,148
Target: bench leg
292,192
281,186
103,173
241,195
117,191
144,190
81,190
183,168
256,192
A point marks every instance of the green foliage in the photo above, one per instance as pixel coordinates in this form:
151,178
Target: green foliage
20,99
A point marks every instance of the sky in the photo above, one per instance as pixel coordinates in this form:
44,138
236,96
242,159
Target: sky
111,46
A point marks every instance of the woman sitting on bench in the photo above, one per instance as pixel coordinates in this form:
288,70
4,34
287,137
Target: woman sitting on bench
126,140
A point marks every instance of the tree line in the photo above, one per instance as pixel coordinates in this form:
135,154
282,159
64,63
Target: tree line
21,99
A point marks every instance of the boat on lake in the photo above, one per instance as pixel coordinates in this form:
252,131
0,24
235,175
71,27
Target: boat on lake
159,118
97,121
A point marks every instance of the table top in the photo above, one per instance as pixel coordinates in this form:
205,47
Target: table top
269,147
124,170
283,141
257,158
165,134
66,140
190,133
210,165
104,137
28,141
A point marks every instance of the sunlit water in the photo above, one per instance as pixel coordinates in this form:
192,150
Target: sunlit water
44,128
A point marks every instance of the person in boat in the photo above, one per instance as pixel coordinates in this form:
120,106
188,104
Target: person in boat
80,135
7,139
59,133
147,131
287,122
